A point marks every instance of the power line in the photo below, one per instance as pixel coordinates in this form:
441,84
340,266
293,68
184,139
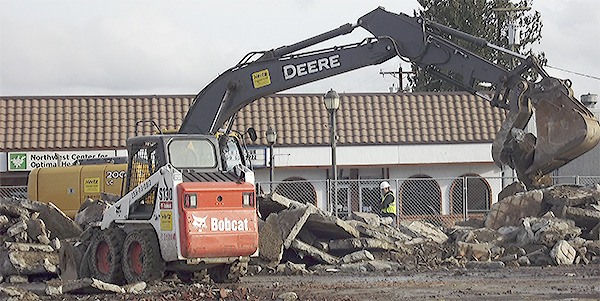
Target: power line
573,72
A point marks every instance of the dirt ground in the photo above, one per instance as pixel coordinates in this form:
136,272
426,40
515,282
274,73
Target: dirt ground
511,283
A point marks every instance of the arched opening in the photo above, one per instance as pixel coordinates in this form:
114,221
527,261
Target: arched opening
420,195
472,190
297,189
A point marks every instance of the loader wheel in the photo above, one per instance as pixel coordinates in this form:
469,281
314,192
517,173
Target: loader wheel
141,259
105,262
228,272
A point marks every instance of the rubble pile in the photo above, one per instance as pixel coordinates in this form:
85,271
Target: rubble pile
298,238
552,226
30,240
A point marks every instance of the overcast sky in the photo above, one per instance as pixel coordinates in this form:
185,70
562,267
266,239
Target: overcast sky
112,47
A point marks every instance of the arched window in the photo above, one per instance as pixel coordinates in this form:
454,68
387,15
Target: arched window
478,194
420,195
297,189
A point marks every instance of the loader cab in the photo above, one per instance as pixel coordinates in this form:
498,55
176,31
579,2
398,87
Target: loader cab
200,158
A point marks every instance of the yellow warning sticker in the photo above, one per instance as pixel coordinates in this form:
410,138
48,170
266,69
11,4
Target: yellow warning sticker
91,185
166,221
261,78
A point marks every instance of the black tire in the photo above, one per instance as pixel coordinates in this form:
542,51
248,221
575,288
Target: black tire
141,257
228,273
106,253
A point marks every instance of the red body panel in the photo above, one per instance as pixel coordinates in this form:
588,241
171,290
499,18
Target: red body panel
219,225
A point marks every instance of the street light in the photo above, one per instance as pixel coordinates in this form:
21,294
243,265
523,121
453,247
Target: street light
332,104
271,138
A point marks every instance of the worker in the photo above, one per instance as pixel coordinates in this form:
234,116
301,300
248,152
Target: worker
388,201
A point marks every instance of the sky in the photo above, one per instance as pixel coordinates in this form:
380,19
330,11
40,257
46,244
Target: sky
124,47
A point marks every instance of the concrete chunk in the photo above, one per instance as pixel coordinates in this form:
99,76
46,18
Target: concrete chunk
90,286
370,219
56,221
274,203
362,243
479,252
508,211
570,195
425,230
270,240
16,228
329,227
28,262
585,218
25,247
362,255
562,253
322,257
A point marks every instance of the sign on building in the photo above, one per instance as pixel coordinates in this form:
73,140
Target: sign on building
258,156
26,161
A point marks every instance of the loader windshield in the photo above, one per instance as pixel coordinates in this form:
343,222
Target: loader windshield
192,154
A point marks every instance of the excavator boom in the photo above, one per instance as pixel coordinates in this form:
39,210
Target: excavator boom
565,128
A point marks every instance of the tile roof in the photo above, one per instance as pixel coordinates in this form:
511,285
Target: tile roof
104,122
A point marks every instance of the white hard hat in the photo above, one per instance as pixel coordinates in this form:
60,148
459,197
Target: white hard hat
384,185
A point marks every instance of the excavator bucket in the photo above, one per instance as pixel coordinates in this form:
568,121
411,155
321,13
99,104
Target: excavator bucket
565,128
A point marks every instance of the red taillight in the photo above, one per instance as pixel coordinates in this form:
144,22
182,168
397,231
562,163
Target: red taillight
247,199
190,200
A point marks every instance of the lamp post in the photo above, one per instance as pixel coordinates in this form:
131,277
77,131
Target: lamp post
332,104
271,138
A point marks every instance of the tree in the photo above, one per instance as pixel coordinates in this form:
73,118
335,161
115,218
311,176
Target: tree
480,18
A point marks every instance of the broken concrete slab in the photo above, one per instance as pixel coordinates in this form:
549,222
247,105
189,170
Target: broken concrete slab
9,208
135,288
59,224
16,228
270,240
570,195
273,203
473,251
423,229
584,218
370,219
90,286
15,294
291,222
308,250
330,227
358,256
280,230
563,253
511,209
36,228
25,247
383,232
363,243
28,262
290,268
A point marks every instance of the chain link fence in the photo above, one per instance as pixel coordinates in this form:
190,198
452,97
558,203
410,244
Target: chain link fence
437,200
441,201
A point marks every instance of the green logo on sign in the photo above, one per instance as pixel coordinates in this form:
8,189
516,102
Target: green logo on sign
17,161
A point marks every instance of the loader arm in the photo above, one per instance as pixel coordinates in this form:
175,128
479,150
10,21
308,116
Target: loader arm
565,128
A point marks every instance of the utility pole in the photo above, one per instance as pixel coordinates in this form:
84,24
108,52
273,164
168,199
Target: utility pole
513,28
398,74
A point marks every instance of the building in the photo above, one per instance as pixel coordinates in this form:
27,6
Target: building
434,139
